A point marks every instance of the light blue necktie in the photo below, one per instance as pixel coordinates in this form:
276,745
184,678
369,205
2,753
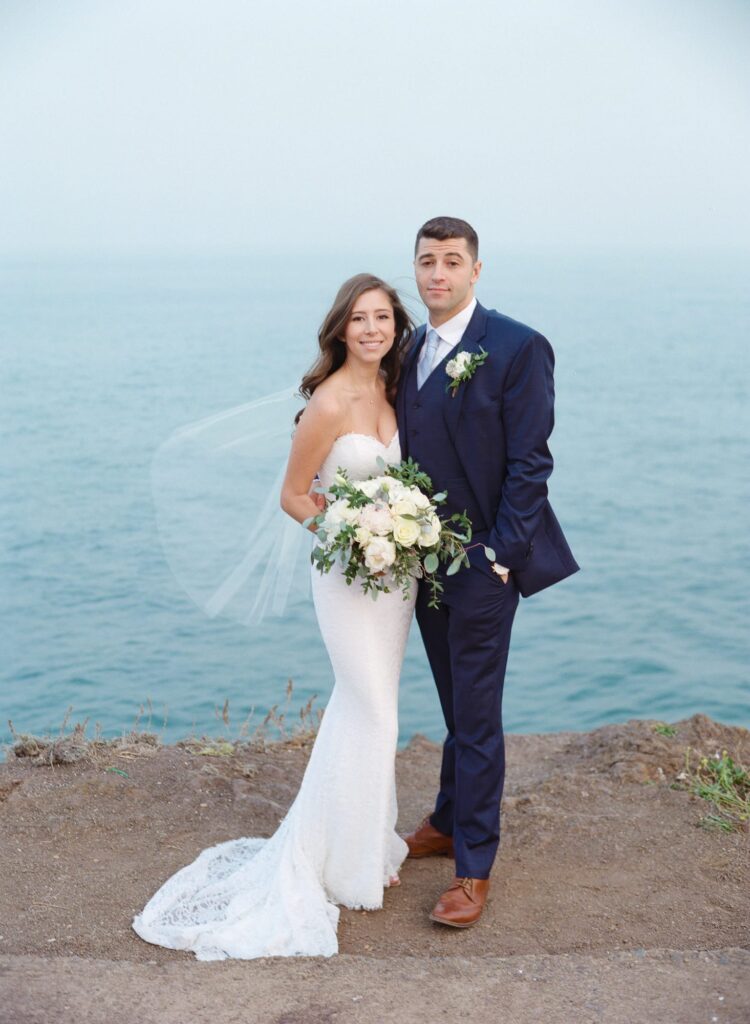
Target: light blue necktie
427,357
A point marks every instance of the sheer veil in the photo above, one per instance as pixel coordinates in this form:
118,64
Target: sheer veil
216,485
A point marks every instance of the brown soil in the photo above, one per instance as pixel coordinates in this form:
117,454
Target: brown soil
608,902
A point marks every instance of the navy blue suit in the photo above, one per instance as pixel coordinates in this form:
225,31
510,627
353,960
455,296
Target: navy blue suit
487,447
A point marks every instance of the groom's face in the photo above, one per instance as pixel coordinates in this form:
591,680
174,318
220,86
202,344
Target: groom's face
446,272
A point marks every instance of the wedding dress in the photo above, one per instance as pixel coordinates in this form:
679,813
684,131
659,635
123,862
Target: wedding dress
253,897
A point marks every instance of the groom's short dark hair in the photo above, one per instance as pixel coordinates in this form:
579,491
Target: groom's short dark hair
443,228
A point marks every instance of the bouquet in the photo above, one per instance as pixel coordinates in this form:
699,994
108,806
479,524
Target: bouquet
386,530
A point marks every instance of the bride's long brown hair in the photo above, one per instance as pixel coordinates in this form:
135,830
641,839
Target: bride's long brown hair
331,336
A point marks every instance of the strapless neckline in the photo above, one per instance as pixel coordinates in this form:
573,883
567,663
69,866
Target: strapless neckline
360,455
371,437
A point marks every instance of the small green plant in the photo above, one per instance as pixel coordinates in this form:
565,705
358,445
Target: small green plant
664,730
221,748
726,785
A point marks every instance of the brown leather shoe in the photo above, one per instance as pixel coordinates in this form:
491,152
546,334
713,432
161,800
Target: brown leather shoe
426,841
461,905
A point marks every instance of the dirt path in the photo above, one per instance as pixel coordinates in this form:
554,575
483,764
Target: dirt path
608,902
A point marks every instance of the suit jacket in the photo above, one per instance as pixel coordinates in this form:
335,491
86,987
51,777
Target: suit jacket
499,422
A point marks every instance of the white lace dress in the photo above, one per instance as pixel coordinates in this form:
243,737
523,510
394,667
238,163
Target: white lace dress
254,897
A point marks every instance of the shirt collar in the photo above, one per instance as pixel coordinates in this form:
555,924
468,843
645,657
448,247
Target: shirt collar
452,330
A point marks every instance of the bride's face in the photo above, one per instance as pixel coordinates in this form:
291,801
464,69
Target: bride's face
371,329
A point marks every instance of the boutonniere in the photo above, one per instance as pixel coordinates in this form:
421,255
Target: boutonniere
463,367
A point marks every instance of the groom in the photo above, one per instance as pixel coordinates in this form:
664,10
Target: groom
484,441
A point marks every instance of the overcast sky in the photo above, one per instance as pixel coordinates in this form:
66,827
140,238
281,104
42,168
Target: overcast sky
184,126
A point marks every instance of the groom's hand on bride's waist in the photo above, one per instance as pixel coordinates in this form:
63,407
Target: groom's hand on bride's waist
317,497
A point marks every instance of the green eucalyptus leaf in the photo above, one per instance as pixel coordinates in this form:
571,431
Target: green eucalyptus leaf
431,562
455,565
490,552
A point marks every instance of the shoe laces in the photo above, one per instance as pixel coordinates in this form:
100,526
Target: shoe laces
463,883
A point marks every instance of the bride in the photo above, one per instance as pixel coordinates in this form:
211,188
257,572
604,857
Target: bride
251,897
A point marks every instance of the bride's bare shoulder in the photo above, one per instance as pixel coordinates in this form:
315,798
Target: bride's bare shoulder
329,399
328,404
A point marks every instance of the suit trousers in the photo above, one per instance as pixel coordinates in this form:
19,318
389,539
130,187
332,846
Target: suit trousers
467,640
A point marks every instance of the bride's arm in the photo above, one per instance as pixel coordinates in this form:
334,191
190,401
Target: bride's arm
320,425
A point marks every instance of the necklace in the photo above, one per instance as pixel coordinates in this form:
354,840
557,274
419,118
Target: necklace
363,394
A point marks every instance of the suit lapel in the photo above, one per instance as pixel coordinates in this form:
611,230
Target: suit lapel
413,353
470,342
410,362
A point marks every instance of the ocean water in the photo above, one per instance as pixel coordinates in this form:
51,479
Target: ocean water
103,359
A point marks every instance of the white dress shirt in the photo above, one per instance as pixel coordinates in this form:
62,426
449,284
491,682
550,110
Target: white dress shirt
450,334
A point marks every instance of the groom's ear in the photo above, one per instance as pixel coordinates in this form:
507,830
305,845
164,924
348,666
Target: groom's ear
476,271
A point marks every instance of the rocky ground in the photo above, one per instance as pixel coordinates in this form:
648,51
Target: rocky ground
609,900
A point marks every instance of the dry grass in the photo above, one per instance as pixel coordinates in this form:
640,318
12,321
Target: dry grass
71,745
277,728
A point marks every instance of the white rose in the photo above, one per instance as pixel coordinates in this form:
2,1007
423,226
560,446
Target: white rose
335,516
348,514
405,531
369,487
395,489
429,532
457,365
404,507
377,519
419,499
363,536
379,554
